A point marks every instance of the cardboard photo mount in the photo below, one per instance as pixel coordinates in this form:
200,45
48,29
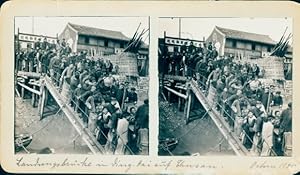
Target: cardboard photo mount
66,163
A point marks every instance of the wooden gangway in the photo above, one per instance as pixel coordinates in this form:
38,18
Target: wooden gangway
46,87
218,119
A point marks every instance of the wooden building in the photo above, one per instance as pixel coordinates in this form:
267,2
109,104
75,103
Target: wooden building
97,41
240,44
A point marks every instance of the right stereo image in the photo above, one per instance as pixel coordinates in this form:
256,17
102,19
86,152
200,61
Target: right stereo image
225,86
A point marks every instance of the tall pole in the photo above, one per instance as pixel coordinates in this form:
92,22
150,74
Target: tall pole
179,27
32,29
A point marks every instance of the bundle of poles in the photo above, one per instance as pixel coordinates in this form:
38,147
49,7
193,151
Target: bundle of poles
281,47
136,41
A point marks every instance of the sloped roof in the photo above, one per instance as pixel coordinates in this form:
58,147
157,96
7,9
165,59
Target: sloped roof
91,31
241,35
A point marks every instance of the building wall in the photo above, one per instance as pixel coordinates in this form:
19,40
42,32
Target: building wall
70,36
97,49
102,46
217,37
245,49
242,53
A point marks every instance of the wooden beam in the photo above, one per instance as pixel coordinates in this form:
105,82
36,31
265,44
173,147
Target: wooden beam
182,87
175,77
175,92
222,125
29,88
29,74
74,119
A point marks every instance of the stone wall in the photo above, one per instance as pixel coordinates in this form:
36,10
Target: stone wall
273,66
127,63
143,88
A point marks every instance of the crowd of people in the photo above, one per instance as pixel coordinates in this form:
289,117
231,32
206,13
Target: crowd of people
253,111
107,105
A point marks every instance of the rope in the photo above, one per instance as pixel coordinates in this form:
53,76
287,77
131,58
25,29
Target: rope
199,121
47,122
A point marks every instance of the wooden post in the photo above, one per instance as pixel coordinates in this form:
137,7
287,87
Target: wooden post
179,101
192,101
187,105
33,97
22,89
22,92
42,100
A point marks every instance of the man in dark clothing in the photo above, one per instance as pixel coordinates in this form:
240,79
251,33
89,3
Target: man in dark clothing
265,97
44,44
277,99
191,48
120,93
286,120
37,44
132,96
142,115
285,130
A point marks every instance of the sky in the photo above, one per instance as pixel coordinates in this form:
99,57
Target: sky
51,26
197,28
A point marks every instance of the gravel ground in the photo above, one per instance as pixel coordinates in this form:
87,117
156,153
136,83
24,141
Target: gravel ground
199,136
54,131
